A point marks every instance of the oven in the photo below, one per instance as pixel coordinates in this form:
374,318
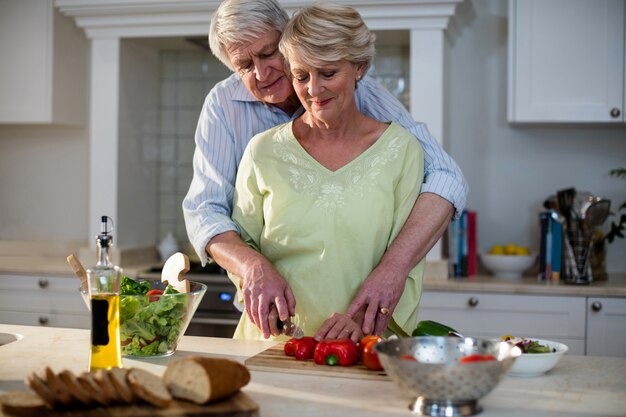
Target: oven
216,315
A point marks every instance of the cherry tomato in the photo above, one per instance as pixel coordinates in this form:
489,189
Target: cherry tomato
154,292
477,358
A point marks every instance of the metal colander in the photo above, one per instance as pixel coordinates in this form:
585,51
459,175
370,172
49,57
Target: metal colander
441,385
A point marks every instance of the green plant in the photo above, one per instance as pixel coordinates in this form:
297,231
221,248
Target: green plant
618,227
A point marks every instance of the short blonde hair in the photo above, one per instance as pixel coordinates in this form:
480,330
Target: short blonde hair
237,21
328,32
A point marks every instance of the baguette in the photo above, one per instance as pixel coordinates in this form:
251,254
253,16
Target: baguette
149,387
118,379
22,404
201,379
91,386
71,383
38,385
58,388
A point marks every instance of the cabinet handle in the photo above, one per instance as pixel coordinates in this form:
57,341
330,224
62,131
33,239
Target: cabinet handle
596,306
615,112
43,283
43,320
472,302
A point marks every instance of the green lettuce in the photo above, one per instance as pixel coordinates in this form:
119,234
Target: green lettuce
149,328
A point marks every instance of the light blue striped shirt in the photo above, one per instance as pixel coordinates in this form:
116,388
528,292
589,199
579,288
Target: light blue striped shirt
231,116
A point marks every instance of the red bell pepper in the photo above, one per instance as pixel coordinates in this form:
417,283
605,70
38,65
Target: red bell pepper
301,348
477,358
368,355
343,352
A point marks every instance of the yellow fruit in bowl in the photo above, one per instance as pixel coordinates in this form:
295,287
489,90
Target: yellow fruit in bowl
496,250
510,249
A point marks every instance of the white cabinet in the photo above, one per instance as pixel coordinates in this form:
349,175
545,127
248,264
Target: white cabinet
44,65
42,301
566,61
606,326
561,319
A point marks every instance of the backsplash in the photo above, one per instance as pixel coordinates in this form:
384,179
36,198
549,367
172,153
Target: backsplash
186,78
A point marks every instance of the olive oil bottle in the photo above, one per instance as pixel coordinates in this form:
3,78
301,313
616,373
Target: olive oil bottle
104,290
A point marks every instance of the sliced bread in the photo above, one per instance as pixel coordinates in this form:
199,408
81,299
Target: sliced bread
201,379
37,384
149,387
67,378
106,385
22,404
58,388
90,385
118,379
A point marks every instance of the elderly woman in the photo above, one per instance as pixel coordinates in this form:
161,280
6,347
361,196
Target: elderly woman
324,196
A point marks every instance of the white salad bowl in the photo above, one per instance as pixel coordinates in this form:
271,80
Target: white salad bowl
508,266
537,364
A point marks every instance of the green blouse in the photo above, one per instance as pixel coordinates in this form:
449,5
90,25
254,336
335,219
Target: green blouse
325,231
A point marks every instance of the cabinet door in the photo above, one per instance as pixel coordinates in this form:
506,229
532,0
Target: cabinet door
561,319
606,326
566,61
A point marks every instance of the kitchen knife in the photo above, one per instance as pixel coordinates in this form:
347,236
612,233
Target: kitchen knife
289,328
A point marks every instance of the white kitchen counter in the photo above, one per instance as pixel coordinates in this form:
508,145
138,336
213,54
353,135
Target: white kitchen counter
578,386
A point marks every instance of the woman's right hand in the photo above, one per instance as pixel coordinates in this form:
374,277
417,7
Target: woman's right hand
262,285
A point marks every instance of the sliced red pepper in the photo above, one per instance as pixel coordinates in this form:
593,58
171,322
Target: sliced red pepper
154,292
477,358
302,348
346,351
408,357
368,355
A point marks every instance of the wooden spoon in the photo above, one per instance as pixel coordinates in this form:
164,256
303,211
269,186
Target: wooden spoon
78,270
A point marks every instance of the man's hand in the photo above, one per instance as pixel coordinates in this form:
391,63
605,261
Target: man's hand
383,287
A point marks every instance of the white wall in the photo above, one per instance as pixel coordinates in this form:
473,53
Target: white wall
139,128
43,183
512,169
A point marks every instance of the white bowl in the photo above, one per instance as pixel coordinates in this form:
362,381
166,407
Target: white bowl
537,364
508,266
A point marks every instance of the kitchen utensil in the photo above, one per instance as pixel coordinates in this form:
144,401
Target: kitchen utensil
429,369
174,271
582,201
291,329
275,360
565,199
78,270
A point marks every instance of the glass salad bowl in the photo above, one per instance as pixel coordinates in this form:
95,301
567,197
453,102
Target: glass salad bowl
151,324
446,375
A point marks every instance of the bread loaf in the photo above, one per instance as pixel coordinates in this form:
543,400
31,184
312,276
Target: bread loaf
149,387
201,379
22,404
118,379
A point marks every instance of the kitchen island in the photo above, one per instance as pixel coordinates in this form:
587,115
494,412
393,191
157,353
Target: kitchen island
578,386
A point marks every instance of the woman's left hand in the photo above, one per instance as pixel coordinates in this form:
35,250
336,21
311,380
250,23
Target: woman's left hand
379,295
339,326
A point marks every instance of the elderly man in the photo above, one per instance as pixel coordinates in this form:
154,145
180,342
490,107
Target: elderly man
244,35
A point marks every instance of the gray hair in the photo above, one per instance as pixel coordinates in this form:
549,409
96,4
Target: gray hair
328,32
237,21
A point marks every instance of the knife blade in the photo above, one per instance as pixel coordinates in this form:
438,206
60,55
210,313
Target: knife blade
289,328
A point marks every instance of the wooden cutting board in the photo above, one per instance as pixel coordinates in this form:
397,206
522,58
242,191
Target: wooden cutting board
238,405
275,360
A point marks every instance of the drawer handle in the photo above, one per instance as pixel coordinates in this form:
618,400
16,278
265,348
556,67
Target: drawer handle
596,306
615,112
472,302
44,320
43,283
